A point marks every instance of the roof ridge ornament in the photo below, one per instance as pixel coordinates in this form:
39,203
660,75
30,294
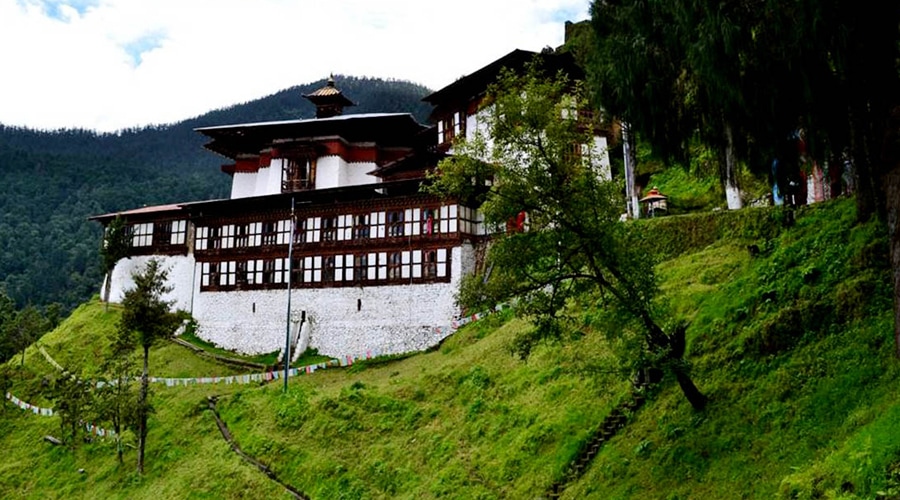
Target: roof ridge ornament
329,100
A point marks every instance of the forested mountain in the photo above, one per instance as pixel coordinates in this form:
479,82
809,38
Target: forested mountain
53,180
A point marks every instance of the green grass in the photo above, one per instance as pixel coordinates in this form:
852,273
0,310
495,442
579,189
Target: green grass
793,345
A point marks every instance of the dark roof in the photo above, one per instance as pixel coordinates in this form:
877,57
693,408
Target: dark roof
137,213
476,83
256,204
384,129
315,197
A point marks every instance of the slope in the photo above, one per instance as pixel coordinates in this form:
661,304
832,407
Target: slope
791,342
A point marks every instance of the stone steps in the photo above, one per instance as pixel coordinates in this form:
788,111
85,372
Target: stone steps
611,425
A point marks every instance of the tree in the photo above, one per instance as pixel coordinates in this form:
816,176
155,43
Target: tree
116,243
147,315
25,327
72,398
750,74
116,401
535,155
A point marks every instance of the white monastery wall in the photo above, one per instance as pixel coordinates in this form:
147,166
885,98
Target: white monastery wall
243,185
355,174
342,320
268,179
181,273
328,171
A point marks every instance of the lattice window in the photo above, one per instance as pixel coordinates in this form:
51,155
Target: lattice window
329,228
312,229
269,232
451,126
360,267
395,261
202,238
344,227
226,236
395,223
142,235
298,174
377,266
283,234
178,232
251,272
227,273
312,269
411,264
361,229
377,221
208,274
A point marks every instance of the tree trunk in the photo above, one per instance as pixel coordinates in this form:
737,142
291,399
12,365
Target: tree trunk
631,195
142,411
890,159
697,399
106,287
732,191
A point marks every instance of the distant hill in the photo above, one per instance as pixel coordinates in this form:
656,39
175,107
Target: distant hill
54,180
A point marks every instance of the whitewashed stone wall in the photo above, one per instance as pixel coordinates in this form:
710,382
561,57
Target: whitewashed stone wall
181,275
390,320
243,185
356,174
333,171
328,171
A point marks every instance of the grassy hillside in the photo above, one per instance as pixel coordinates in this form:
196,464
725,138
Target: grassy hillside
792,343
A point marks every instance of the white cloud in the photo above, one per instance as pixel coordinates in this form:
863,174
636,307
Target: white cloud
109,64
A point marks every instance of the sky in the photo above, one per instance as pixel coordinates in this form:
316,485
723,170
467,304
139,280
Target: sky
106,65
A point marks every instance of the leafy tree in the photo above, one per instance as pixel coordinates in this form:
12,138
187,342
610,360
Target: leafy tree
116,398
116,244
750,74
25,327
574,243
72,400
146,314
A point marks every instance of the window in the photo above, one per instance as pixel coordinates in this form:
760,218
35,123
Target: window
283,232
436,264
395,223
452,125
360,267
202,238
377,221
269,232
411,264
344,227
377,266
395,261
312,269
226,236
329,228
360,226
311,229
208,274
227,273
241,237
298,174
328,269
250,272
468,220
430,266
142,235
178,232
429,221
